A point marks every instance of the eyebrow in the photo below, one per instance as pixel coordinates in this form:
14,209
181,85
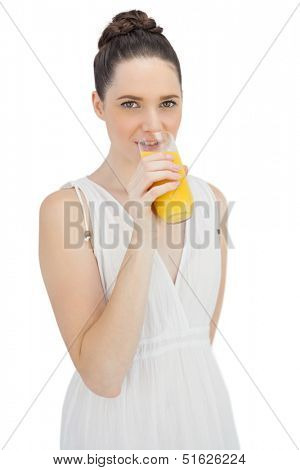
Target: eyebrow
141,99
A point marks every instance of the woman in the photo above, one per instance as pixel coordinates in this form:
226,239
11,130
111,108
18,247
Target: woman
138,322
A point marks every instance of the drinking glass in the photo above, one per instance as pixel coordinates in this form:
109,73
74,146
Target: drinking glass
176,205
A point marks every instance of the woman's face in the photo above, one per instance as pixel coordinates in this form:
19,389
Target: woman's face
155,103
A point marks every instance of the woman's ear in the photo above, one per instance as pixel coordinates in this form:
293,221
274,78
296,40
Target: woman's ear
98,105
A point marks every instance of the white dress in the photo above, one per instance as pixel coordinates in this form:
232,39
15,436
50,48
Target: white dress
174,395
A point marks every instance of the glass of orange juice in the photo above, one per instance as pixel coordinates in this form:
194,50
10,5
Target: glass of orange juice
177,205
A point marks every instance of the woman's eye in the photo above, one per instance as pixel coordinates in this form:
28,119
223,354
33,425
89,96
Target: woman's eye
170,101
127,102
130,102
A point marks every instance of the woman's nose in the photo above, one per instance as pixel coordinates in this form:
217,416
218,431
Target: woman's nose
151,121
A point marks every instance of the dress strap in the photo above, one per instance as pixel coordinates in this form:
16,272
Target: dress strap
214,207
88,233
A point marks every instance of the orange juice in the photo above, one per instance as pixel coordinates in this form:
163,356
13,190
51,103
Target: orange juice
174,206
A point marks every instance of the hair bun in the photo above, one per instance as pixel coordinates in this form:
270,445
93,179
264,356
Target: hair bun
126,22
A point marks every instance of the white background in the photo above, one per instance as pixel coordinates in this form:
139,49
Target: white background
47,52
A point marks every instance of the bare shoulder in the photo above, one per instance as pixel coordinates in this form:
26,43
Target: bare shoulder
220,198
218,194
55,203
57,209
56,198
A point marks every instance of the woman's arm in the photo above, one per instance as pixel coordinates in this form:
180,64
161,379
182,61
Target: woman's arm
223,246
101,338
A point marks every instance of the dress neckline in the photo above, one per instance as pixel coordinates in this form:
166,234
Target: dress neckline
186,244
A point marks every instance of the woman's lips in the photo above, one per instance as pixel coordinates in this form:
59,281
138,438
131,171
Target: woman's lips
149,146
147,142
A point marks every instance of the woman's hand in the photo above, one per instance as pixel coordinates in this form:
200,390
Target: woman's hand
152,168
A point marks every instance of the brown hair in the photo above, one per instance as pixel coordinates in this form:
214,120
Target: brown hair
131,34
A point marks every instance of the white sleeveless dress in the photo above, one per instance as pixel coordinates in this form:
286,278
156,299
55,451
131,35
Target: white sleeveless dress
174,395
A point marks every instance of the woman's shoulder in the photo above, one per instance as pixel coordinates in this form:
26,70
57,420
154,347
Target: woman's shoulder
57,198
217,194
60,202
214,196
64,192
56,212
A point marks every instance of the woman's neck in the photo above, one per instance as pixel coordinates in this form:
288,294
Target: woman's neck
114,175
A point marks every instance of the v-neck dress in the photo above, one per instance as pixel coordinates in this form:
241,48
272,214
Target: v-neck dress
174,395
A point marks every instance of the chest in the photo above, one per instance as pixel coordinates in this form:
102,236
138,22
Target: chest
170,244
